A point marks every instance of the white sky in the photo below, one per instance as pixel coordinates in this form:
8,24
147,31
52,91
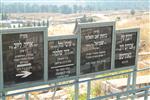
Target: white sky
67,1
72,2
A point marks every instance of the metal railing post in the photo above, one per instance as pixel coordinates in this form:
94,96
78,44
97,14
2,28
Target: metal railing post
76,90
128,83
146,94
3,96
118,97
88,90
27,96
134,76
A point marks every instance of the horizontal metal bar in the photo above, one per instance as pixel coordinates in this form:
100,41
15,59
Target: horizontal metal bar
124,30
51,37
122,93
66,79
45,83
28,85
105,77
97,24
68,84
22,30
39,89
143,69
131,95
107,71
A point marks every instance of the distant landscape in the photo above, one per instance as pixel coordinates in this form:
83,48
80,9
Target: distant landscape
62,15
70,6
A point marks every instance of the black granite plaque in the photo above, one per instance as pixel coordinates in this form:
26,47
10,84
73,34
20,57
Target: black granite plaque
96,47
125,49
62,58
23,57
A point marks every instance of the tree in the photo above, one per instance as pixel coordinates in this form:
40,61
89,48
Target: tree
53,8
88,8
75,8
44,8
65,9
118,18
80,8
39,23
132,12
4,16
35,8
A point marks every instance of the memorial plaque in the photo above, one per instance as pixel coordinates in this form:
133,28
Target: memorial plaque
125,49
23,57
96,48
62,58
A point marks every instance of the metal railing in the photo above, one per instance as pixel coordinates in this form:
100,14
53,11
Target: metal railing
130,92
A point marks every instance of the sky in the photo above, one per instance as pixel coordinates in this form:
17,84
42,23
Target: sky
75,1
103,3
71,2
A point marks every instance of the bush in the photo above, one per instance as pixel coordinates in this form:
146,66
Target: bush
132,12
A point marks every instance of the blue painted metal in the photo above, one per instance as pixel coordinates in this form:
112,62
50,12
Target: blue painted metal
1,65
88,90
146,95
124,93
77,82
76,89
27,96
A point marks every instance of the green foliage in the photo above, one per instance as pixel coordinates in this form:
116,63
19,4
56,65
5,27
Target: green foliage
4,16
132,12
118,18
53,8
112,73
96,86
82,96
70,91
65,9
75,8
96,89
72,8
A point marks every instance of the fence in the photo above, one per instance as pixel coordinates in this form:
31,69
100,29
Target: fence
131,91
78,78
